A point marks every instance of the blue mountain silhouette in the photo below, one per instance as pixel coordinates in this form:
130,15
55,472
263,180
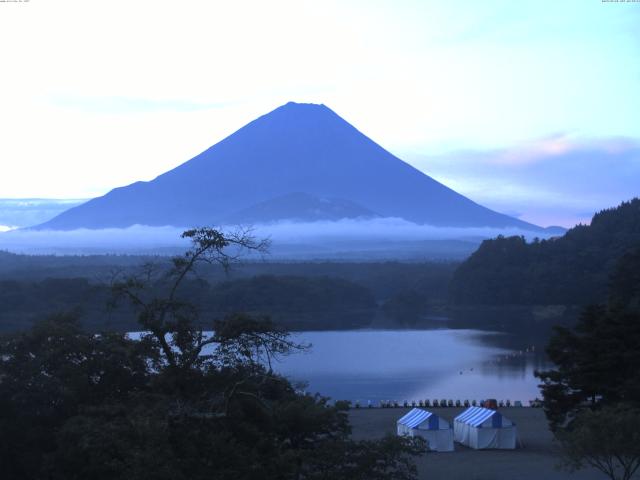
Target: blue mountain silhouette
297,149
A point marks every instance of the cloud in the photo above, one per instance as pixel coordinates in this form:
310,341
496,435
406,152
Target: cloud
548,148
552,180
325,236
130,240
381,229
532,152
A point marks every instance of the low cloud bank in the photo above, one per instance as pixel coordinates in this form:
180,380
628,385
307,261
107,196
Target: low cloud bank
135,239
324,236
392,229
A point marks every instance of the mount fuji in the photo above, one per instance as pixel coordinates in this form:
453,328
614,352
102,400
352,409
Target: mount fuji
299,162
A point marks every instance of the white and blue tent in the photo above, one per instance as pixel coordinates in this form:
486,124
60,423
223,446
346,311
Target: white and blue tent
435,430
482,428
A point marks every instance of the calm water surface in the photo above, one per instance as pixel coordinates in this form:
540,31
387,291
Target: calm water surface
375,365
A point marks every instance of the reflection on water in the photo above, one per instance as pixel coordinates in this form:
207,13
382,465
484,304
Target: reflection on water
416,365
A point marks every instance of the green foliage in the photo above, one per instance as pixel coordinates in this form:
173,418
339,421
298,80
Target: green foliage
625,282
597,363
102,407
48,374
592,397
297,296
24,301
297,302
570,270
607,439
243,340
177,404
407,307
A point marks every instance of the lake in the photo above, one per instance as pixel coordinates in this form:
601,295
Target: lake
375,365
414,365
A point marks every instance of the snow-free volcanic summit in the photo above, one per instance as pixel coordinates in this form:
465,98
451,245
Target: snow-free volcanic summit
300,162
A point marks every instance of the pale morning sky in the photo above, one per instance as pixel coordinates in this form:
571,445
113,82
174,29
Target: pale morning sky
529,107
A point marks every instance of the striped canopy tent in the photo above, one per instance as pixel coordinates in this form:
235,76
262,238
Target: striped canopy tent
422,423
482,428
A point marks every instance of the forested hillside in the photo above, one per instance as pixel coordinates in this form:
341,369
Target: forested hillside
571,270
299,296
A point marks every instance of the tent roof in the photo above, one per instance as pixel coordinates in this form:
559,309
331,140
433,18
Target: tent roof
415,417
476,416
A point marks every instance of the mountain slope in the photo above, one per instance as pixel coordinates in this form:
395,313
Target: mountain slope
572,269
300,207
295,148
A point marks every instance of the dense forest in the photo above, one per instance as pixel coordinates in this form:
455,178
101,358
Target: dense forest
570,270
298,296
384,279
592,390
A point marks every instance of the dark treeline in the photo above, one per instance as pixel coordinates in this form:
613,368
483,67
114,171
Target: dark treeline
298,302
384,279
570,270
24,302
598,361
36,267
299,296
592,393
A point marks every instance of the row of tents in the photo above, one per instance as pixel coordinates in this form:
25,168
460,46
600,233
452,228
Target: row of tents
476,427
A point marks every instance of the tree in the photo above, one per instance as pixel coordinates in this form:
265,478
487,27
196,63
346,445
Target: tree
51,373
406,307
597,363
572,269
155,293
177,403
607,439
625,282
592,397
